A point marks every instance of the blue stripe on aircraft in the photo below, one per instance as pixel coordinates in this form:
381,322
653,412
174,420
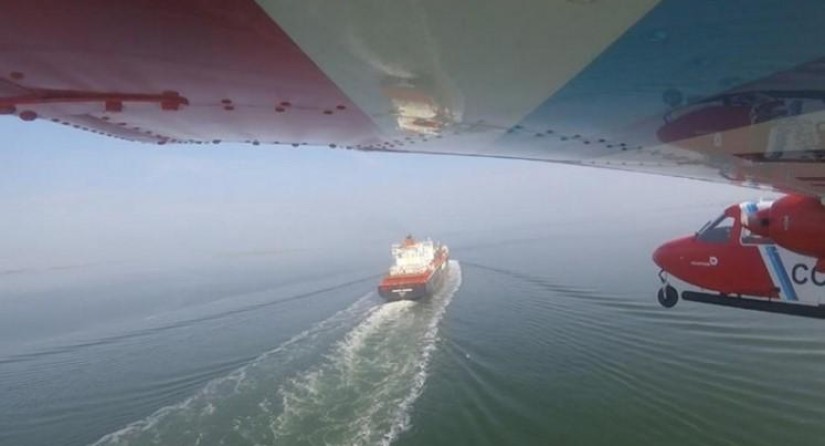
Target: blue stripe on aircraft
781,273
680,52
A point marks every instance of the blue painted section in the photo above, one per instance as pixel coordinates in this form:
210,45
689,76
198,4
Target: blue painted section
682,51
779,269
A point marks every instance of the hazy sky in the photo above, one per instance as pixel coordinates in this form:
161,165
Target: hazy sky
68,197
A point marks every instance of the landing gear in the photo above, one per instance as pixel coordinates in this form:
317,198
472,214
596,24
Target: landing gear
668,296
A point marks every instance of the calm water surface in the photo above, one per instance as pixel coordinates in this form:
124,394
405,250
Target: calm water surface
541,336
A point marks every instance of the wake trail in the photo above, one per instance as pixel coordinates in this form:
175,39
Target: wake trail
351,379
365,390
180,423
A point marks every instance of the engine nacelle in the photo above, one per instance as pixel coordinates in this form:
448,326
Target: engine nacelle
794,222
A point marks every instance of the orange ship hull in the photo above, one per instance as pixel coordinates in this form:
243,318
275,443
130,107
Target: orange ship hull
415,286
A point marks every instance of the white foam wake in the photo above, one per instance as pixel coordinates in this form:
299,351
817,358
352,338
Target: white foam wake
365,389
166,425
401,420
351,379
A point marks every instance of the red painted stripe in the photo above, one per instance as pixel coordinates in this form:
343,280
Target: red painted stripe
414,279
243,77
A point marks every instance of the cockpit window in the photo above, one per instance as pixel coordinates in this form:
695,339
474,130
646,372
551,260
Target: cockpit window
717,231
746,237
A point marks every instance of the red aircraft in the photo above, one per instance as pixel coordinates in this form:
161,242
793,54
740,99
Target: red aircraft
703,89
767,255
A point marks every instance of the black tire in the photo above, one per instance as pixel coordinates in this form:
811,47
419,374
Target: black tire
668,296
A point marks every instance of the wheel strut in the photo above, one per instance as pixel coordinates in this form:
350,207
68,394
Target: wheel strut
667,296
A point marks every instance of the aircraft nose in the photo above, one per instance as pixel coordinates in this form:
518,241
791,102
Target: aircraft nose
658,256
663,255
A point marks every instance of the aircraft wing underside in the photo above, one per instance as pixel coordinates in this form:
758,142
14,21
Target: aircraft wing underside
729,91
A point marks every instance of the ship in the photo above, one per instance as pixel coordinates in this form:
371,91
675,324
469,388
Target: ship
418,271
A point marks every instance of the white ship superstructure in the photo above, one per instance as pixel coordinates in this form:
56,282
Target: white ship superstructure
417,271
